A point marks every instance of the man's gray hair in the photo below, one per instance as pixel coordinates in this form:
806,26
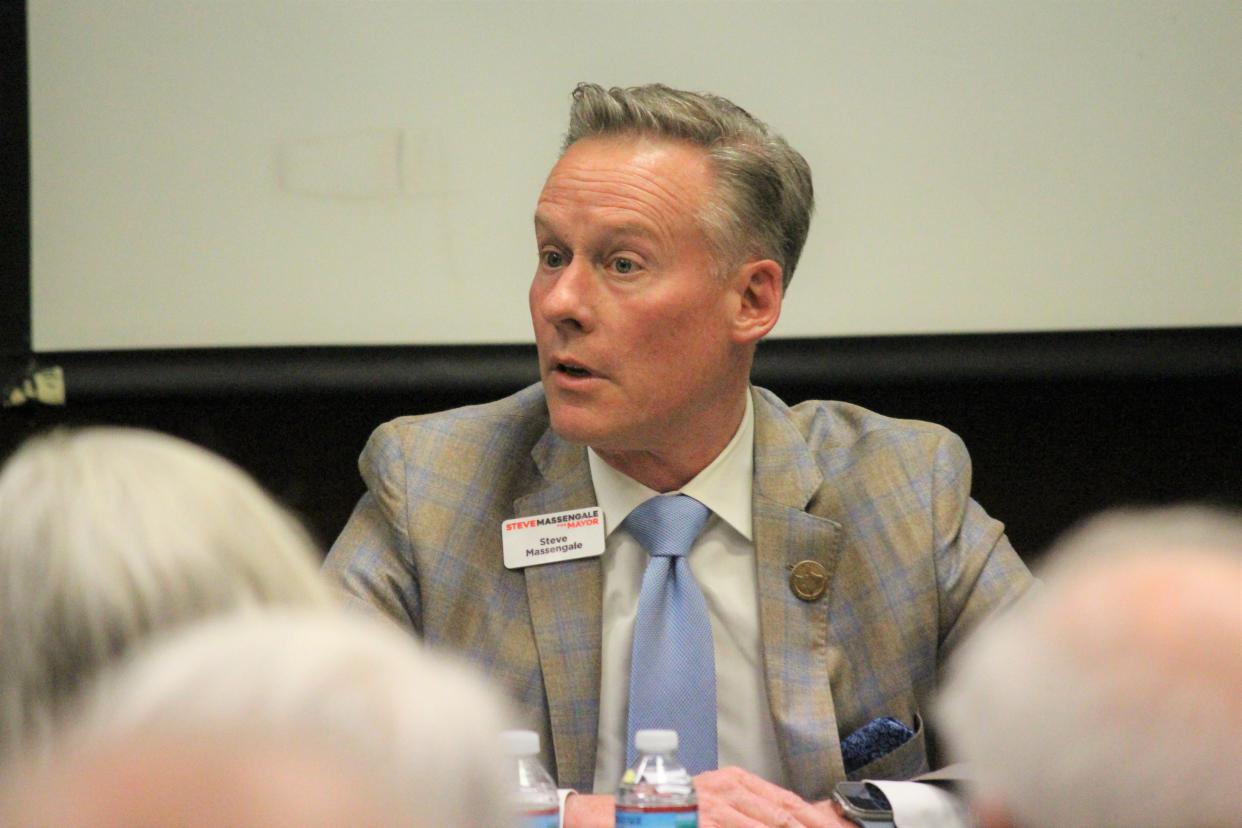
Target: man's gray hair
1111,695
423,726
763,186
110,534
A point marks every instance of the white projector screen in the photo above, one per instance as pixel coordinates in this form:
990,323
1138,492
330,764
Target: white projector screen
289,172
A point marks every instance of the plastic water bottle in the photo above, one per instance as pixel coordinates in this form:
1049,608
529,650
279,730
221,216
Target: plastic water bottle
535,797
657,792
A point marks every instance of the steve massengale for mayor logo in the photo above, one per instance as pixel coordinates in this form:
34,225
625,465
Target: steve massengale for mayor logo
557,543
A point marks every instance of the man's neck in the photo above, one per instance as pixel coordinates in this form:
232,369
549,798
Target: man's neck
671,467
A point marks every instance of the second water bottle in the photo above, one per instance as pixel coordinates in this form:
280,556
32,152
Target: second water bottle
657,792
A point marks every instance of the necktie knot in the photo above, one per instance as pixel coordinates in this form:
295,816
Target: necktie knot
667,525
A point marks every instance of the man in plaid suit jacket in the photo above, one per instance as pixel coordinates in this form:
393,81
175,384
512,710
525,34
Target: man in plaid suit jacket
872,561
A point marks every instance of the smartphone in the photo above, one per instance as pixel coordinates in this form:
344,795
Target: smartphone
862,800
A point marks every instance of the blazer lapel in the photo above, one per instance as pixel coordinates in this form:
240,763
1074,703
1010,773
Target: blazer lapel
795,632
565,607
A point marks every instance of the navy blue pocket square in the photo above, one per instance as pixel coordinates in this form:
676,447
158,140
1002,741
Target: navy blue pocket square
878,737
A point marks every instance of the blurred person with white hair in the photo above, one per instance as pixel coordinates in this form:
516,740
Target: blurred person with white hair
422,728
1112,696
108,534
230,778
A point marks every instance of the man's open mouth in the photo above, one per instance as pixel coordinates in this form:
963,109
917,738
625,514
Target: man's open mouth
572,370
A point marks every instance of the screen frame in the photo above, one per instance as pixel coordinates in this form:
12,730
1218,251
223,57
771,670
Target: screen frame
500,369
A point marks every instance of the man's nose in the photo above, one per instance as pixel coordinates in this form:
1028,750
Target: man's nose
567,301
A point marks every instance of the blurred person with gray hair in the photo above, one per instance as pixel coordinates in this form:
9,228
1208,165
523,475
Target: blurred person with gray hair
420,728
1112,695
110,534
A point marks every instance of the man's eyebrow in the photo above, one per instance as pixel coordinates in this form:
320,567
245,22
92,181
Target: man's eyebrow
637,229
543,227
643,231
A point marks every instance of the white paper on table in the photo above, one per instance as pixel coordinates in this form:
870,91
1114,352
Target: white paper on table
916,805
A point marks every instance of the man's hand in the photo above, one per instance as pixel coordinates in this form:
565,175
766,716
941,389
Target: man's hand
590,811
735,798
728,798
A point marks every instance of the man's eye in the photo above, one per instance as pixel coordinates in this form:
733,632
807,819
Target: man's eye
552,258
623,265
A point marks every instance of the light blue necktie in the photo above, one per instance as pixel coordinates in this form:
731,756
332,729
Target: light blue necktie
673,665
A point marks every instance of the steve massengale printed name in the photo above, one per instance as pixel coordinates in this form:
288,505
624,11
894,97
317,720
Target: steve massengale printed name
550,546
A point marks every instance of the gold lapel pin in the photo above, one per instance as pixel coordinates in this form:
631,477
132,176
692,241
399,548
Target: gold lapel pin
808,580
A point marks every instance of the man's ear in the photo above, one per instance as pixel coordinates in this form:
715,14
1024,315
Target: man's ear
760,291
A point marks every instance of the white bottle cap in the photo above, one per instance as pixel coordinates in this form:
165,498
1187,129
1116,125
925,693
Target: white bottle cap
519,743
655,741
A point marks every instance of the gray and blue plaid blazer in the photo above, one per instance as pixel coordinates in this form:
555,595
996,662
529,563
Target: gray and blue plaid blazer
884,505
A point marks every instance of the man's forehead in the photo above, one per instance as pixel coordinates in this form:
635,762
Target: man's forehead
636,180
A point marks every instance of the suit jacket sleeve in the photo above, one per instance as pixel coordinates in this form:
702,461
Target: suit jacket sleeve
371,563
977,570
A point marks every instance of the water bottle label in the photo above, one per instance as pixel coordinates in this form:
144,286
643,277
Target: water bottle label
676,817
540,819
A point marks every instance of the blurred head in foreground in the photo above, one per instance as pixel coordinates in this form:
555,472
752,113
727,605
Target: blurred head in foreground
228,778
422,730
1113,695
109,534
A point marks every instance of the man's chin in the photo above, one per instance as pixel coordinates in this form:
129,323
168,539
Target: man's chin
578,424
573,430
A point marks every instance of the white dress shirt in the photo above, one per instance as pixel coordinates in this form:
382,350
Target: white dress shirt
723,562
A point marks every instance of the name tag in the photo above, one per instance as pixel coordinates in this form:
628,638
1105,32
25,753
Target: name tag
560,536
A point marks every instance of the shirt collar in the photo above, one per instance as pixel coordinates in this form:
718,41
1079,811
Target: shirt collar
724,486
